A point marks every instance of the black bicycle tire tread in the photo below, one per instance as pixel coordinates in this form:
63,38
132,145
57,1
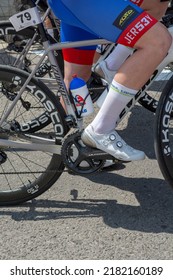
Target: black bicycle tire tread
161,159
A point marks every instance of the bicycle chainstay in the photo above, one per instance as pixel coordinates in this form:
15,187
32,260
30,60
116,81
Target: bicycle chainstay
81,159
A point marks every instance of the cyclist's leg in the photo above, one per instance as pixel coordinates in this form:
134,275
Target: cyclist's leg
111,64
126,82
76,60
78,18
157,37
134,29
150,52
124,86
156,41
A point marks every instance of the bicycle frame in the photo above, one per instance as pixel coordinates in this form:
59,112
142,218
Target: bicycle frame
70,108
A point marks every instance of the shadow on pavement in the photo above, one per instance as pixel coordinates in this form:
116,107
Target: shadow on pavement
154,212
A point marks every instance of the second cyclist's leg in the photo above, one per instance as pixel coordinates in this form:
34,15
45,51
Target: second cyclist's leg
77,61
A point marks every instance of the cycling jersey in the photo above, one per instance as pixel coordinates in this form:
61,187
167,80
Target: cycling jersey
118,21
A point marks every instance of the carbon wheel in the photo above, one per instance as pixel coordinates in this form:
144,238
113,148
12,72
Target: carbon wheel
26,173
164,133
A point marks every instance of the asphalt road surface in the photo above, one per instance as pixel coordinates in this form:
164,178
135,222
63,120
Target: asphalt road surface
125,212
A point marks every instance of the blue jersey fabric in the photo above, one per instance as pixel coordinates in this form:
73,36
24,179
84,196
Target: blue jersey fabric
73,34
99,18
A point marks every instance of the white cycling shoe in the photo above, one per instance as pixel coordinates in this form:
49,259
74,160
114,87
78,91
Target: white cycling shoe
102,70
112,144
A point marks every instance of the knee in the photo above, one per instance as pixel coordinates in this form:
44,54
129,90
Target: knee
157,41
163,42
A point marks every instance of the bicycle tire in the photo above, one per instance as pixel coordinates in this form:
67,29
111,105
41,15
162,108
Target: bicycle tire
26,174
163,129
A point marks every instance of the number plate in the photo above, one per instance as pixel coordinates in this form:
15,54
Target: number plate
25,19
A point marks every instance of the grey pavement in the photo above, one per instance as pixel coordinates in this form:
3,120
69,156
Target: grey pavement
121,213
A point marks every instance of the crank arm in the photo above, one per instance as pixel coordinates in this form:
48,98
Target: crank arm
88,152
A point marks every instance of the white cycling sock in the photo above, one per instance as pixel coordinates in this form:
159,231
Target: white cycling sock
117,98
117,57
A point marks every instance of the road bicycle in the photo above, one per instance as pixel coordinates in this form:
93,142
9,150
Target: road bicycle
22,49
34,152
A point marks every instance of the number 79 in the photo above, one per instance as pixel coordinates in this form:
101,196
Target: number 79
24,16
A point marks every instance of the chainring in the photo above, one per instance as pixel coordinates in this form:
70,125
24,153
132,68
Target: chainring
78,158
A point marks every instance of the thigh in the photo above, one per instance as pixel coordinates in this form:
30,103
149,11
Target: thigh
111,19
